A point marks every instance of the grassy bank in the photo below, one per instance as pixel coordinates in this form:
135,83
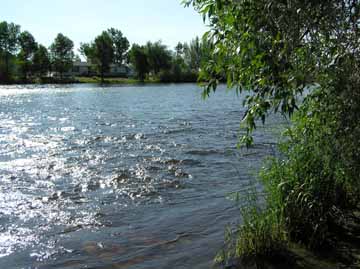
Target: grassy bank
343,253
310,211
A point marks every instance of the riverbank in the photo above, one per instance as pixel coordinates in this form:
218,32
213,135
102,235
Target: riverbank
115,80
342,251
80,80
92,80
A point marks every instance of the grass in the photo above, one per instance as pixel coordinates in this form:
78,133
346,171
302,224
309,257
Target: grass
261,236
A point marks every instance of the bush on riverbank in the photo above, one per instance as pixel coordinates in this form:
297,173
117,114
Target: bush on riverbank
314,182
277,60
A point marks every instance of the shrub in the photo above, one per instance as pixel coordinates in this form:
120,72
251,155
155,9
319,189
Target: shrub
314,181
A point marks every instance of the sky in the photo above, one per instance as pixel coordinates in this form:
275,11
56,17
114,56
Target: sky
83,20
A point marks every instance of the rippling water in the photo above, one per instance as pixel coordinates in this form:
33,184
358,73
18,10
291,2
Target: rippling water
120,177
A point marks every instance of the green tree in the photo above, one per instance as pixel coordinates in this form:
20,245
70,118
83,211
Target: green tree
62,55
121,45
196,53
103,53
193,54
100,52
178,71
139,60
159,57
9,34
41,61
28,47
259,49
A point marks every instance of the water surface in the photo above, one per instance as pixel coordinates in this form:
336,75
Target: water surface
121,176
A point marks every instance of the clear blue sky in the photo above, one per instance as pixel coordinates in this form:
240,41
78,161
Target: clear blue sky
82,20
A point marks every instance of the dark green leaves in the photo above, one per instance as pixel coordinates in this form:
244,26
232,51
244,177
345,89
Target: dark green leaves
120,45
62,54
275,49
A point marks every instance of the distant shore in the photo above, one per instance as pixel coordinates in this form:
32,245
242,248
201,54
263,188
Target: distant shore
93,80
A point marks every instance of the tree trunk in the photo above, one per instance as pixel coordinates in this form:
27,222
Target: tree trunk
7,78
102,76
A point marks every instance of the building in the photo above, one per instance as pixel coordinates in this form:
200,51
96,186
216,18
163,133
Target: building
81,69
87,69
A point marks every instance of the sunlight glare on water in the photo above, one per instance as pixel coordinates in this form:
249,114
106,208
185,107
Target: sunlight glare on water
126,176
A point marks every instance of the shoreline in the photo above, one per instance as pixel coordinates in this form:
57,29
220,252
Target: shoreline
342,251
95,80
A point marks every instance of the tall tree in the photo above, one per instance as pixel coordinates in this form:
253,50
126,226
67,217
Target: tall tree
41,61
62,54
193,54
9,34
120,44
196,53
103,53
28,48
159,57
139,60
100,52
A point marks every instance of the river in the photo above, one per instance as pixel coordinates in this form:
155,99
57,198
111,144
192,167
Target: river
131,176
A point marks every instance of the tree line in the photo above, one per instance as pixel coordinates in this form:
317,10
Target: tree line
23,59
183,64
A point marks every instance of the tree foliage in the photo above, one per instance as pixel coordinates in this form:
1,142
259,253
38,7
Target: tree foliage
299,58
41,61
28,47
86,50
120,45
139,60
62,54
179,50
9,34
276,49
196,53
20,55
25,61
158,55
100,52
108,48
157,61
103,53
